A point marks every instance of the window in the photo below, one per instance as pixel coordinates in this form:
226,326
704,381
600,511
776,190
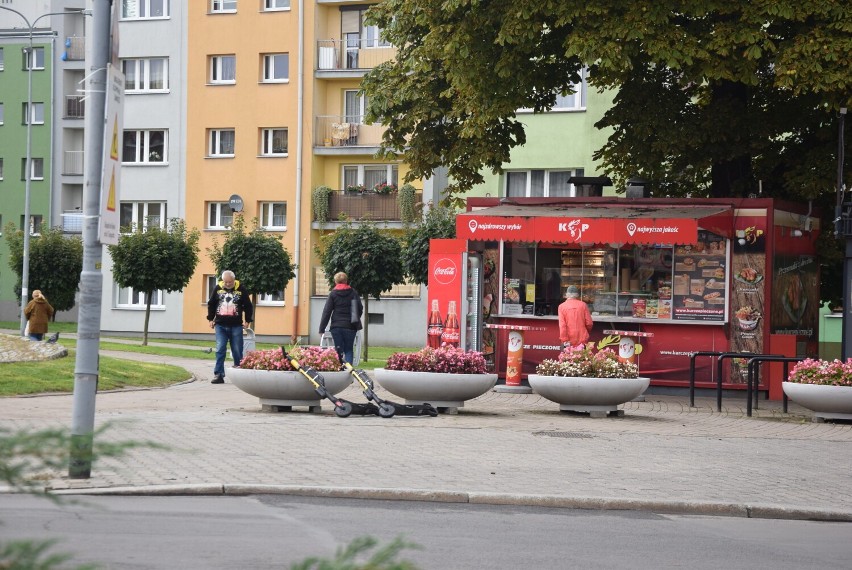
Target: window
141,147
2,60
150,74
369,174
128,298
36,170
354,106
273,215
144,9
223,5
34,114
35,224
1,169
144,215
273,142
276,67
223,69
540,183
36,59
1,113
573,101
372,37
276,298
219,215
221,142
276,4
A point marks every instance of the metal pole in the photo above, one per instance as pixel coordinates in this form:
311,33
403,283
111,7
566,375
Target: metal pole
843,227
28,167
91,279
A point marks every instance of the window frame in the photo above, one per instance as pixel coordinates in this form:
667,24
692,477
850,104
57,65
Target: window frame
218,6
215,143
2,59
268,67
271,299
142,74
36,222
158,299
360,177
268,8
29,113
1,168
267,141
267,215
144,215
33,162
2,113
546,184
143,146
216,67
215,212
28,58
146,4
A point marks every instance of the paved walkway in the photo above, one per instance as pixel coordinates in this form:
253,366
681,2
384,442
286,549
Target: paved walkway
501,448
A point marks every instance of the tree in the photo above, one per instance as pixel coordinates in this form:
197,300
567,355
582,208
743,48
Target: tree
155,259
56,262
371,258
712,98
257,258
438,223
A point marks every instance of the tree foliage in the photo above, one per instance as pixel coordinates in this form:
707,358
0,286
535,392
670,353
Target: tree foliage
371,258
258,259
56,262
711,98
155,258
438,223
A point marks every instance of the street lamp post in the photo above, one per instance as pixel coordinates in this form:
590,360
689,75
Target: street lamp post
28,167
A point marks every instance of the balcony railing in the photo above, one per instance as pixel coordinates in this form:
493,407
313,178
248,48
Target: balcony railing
72,222
337,130
75,49
335,55
379,207
72,163
75,107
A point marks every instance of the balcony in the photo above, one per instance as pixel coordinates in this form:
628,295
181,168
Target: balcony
351,55
341,134
75,107
72,222
72,163
75,49
374,207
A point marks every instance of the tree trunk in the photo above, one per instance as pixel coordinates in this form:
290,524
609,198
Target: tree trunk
147,318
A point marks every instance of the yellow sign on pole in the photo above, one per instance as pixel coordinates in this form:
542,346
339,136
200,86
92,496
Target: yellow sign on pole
108,230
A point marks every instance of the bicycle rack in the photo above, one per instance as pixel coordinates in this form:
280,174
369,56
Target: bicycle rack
752,375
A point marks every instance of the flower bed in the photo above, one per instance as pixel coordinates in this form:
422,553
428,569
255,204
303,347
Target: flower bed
582,361
822,372
447,359
318,358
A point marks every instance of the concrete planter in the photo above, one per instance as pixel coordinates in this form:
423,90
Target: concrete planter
281,390
831,402
436,388
595,396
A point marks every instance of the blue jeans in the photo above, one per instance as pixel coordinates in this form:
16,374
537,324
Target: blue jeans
344,342
36,336
225,334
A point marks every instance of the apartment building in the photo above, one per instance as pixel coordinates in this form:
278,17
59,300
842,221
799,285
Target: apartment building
53,116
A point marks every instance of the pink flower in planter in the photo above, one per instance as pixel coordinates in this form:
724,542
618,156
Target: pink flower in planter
447,359
318,358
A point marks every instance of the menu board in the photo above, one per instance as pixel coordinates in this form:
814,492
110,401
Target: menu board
700,281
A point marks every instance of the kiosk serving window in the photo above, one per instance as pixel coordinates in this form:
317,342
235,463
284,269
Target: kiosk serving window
633,281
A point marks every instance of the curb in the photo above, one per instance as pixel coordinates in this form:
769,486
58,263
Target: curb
478,498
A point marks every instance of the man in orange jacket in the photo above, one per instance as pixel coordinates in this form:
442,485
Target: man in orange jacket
575,320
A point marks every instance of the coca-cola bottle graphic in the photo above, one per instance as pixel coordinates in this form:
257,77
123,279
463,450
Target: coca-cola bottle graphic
435,327
452,333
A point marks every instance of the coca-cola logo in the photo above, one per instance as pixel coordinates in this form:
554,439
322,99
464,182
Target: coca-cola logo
445,271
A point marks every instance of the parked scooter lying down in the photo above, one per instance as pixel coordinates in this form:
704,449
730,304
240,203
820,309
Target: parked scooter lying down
343,408
388,408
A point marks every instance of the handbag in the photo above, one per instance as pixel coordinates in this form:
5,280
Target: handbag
353,312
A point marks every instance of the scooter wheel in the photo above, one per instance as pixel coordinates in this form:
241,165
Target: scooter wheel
431,410
386,410
343,410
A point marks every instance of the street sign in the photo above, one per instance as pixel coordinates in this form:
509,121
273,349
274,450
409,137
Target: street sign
109,227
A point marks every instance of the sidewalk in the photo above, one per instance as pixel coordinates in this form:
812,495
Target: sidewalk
501,448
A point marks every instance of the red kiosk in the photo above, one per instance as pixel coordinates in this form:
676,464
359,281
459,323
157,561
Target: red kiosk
674,276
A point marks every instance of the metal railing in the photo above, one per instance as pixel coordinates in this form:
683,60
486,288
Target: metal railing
720,357
75,49
379,207
352,54
72,222
341,131
75,107
754,378
73,162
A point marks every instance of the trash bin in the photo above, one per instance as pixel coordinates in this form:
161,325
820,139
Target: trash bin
249,343
326,341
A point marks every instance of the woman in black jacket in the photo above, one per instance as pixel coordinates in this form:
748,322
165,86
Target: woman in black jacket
344,309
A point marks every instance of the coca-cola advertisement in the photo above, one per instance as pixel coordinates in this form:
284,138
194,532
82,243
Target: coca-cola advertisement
446,259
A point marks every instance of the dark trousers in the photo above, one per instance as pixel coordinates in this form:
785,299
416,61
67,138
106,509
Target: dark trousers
344,342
